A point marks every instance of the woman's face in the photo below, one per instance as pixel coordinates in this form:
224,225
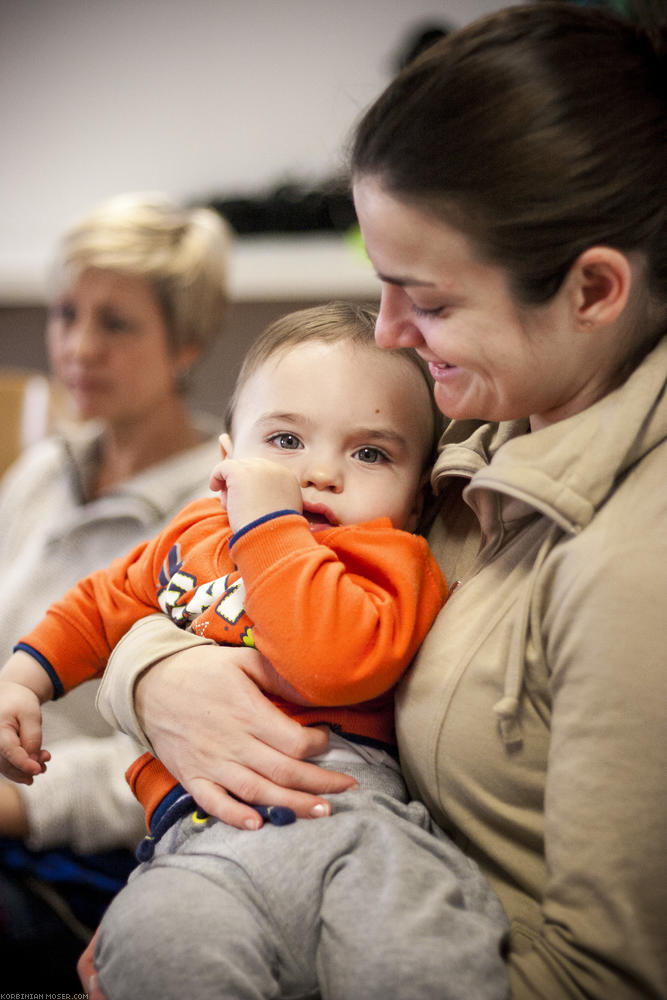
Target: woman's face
491,358
108,345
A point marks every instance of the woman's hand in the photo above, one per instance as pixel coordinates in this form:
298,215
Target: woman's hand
87,974
216,731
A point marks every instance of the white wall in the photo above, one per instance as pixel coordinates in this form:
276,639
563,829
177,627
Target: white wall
195,98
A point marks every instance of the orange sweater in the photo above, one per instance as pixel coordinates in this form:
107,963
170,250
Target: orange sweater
339,613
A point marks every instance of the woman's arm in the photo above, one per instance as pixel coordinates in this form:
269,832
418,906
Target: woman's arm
201,707
13,817
605,898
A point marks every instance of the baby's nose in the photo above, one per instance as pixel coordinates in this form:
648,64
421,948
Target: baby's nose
323,477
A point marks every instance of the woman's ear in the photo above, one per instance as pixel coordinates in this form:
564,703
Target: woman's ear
225,445
602,279
185,357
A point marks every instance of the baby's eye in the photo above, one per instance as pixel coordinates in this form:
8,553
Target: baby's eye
289,442
371,455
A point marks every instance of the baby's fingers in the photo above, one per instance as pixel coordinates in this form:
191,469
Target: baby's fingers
15,762
218,478
30,735
22,755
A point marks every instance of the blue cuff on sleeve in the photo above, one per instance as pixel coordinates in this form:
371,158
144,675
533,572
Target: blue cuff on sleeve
58,689
260,520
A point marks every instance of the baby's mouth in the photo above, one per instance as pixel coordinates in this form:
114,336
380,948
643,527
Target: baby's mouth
318,516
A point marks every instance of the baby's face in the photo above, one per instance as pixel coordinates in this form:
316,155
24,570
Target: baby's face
354,424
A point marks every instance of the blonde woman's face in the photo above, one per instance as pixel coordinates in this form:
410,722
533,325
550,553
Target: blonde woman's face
108,345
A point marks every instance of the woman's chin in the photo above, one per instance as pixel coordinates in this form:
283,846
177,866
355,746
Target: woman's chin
83,413
452,404
467,406
88,406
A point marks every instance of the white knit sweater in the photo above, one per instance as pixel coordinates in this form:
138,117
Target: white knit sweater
49,538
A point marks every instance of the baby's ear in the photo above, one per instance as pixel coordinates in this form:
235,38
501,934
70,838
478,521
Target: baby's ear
225,445
419,504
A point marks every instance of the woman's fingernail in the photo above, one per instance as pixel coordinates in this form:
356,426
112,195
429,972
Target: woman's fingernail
320,810
252,824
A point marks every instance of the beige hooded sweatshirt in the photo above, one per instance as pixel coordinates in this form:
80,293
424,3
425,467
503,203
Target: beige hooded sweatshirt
533,721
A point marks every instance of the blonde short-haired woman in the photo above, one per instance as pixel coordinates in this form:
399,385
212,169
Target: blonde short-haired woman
138,291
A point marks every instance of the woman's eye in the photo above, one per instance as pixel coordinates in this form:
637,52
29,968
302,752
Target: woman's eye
115,323
64,312
289,442
371,455
421,311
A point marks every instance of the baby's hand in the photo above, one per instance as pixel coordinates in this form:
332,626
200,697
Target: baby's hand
251,488
21,753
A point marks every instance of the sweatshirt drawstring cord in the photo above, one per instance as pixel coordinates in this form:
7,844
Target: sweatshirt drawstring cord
507,707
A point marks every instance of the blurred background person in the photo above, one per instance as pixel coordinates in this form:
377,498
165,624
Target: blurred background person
139,291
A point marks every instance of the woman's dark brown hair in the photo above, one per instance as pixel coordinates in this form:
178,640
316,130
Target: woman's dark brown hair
538,131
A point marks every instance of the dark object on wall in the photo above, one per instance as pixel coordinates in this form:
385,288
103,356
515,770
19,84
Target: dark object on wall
289,208
416,41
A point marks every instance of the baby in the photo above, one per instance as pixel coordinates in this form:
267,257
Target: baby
312,559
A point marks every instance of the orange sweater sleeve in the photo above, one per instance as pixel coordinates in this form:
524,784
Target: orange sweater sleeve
339,614
75,638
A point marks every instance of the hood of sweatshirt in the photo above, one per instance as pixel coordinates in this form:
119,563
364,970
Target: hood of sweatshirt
153,494
567,470
564,472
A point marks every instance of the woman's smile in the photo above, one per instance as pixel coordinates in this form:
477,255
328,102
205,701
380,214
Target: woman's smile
440,370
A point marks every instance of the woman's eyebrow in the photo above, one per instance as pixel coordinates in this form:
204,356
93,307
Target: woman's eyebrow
404,281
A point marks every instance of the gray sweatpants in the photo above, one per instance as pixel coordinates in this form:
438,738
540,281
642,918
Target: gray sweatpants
371,902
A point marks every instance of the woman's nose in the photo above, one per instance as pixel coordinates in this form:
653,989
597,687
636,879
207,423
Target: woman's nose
395,326
83,341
